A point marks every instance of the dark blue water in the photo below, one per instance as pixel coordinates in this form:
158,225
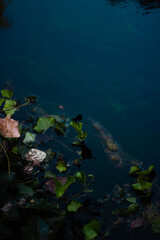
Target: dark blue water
99,58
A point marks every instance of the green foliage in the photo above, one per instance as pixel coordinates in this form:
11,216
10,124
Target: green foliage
1,101
78,127
60,188
9,104
29,137
132,208
15,150
134,169
81,176
44,123
131,199
6,93
26,190
142,186
61,167
91,229
74,206
156,225
49,174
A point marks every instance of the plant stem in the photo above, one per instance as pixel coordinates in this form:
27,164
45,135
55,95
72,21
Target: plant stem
22,105
9,166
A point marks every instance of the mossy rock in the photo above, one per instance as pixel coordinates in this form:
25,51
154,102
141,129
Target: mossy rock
111,146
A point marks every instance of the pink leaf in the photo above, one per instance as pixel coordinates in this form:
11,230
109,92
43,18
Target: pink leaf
9,127
138,222
51,184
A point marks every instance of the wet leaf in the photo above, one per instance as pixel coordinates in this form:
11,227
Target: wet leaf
156,225
6,93
134,169
82,135
81,176
35,155
60,188
131,200
44,123
138,222
29,137
142,186
61,167
1,101
9,127
15,150
9,104
132,208
91,229
49,174
146,172
76,125
74,206
25,190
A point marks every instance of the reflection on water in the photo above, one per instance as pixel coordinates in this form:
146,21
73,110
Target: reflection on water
4,19
146,5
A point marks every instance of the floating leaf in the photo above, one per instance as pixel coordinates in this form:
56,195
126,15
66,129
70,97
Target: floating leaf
138,222
146,172
15,150
6,93
35,155
156,225
60,188
44,123
1,101
49,174
76,125
74,206
82,135
9,127
81,176
141,186
91,229
9,104
131,200
29,137
25,190
132,208
134,169
61,166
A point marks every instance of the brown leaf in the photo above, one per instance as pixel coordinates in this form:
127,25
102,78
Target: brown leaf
9,127
138,222
36,156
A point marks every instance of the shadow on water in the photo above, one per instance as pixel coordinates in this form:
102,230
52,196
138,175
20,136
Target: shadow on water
147,6
5,22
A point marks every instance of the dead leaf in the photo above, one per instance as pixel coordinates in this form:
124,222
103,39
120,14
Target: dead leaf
36,156
9,127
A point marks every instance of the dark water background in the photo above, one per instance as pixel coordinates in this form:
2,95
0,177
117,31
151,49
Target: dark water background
99,58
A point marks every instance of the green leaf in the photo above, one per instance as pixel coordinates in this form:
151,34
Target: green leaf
132,208
146,172
29,137
44,123
156,225
91,229
82,135
76,125
74,206
6,93
9,104
1,101
60,188
49,174
61,166
134,169
142,186
81,176
26,191
131,199
15,150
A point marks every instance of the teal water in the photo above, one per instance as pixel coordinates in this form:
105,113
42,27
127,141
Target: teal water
99,58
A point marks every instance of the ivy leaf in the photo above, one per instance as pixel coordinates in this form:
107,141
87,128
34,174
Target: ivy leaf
44,123
131,199
76,125
15,150
1,101
74,206
81,176
146,172
26,191
6,93
141,186
60,188
29,137
61,166
82,135
9,104
134,169
132,208
91,229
